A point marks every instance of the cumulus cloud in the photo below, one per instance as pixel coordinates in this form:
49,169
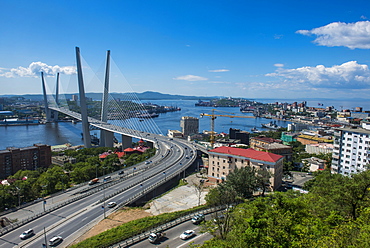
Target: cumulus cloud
351,35
279,65
34,69
190,78
219,70
349,75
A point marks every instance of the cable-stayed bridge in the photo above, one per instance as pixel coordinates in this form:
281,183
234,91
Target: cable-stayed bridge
129,116
79,212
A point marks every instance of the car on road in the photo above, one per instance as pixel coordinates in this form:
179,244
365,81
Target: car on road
187,234
112,204
55,240
107,178
121,173
155,237
27,234
198,218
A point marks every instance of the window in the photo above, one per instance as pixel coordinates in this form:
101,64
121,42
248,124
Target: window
349,145
223,167
236,160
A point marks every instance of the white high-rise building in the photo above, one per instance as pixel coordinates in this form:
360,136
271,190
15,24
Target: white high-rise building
351,152
189,125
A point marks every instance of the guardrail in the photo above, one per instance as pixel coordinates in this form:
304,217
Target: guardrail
132,199
145,235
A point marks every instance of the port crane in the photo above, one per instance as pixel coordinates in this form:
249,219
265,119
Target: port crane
214,116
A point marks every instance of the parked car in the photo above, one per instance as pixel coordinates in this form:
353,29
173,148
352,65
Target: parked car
55,240
187,234
27,234
112,204
198,218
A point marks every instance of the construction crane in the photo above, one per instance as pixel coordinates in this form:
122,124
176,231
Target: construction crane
214,116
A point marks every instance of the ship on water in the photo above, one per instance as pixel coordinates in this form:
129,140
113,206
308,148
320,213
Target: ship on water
271,125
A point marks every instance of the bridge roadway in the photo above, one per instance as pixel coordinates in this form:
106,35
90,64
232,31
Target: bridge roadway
107,126
75,218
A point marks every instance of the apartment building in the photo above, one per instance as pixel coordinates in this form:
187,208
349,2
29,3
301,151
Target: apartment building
351,151
223,160
27,158
189,125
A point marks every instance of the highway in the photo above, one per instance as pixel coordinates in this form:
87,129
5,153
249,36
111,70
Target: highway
73,219
172,238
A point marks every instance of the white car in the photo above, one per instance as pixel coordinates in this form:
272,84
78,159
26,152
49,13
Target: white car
112,204
27,234
187,234
55,240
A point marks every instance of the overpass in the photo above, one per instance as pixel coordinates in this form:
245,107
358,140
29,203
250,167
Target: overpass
78,212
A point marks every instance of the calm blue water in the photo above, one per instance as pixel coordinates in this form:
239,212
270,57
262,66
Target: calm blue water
66,132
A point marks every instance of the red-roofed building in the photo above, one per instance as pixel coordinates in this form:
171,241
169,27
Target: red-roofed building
223,160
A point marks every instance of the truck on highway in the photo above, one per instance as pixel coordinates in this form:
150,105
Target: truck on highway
94,181
155,237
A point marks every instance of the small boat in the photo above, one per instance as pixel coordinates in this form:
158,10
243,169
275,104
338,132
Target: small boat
255,130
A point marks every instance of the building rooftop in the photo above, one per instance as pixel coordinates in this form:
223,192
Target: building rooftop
248,153
265,139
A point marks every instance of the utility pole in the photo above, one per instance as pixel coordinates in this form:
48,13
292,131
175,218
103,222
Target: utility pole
46,243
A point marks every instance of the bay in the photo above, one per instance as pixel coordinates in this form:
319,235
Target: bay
65,132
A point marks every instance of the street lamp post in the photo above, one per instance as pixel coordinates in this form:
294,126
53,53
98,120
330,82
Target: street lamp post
46,243
104,197
164,173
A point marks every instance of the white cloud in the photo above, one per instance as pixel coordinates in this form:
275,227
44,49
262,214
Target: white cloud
349,75
190,78
219,70
34,69
279,65
351,35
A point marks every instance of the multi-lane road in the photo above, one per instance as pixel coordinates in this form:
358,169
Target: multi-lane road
73,219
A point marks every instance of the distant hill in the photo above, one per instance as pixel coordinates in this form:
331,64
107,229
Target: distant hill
147,95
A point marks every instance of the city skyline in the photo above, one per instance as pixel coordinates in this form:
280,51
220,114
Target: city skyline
261,49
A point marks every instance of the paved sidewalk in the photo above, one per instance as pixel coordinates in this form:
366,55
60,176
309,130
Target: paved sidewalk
181,198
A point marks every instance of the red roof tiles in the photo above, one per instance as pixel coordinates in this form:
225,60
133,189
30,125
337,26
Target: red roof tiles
248,153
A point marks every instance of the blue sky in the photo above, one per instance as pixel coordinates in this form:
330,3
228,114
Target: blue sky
250,49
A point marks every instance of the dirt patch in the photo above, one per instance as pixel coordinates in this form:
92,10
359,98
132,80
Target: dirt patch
115,219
